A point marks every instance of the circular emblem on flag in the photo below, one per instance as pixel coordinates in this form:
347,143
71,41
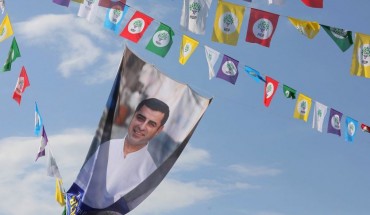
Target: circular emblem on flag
335,121
269,89
161,38
363,54
263,28
338,33
90,2
115,15
228,23
229,68
136,26
187,49
302,107
3,33
351,128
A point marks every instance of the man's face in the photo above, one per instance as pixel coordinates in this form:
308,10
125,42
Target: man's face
144,125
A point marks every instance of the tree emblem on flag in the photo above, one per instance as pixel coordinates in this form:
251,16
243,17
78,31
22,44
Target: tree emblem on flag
364,55
136,26
90,2
228,23
351,129
262,29
319,113
229,68
115,15
269,90
194,7
338,32
3,32
187,49
335,122
302,107
161,38
20,86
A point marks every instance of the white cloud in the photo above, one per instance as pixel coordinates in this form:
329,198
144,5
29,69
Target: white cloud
78,44
254,170
192,158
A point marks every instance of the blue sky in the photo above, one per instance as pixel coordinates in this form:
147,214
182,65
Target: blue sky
243,159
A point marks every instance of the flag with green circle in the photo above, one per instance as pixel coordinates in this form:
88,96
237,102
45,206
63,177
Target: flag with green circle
289,92
161,41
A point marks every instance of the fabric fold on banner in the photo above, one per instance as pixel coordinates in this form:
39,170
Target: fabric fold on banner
271,86
161,41
254,74
261,27
302,107
194,15
114,179
38,121
314,3
352,126
52,167
361,56
289,92
187,48
319,113
306,28
20,87
114,17
6,29
13,54
136,27
88,10
334,125
341,37
227,23
212,57
228,69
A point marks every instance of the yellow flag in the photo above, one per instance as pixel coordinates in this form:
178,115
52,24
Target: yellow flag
59,192
302,107
6,29
361,56
227,24
307,28
187,48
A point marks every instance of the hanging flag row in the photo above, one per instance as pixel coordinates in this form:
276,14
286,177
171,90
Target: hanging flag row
261,27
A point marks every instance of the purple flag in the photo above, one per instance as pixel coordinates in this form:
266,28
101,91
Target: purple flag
44,141
62,2
228,69
334,122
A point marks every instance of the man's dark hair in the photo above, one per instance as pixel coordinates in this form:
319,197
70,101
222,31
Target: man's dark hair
156,105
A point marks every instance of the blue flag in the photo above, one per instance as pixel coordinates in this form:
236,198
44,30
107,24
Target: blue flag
254,74
352,126
38,121
114,17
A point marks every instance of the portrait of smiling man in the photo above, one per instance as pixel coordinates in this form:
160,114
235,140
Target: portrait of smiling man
127,162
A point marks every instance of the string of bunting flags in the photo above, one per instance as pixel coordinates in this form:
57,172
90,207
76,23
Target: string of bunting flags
226,30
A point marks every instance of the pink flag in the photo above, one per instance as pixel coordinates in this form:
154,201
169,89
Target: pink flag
21,85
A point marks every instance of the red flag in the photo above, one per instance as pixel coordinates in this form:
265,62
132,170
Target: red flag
110,3
365,128
21,85
271,86
314,3
136,27
261,27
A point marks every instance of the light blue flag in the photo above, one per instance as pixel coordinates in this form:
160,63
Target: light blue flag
114,17
254,74
352,126
38,121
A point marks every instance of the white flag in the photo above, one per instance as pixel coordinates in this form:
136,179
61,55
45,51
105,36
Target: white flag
2,6
276,2
194,15
88,9
52,169
212,57
319,115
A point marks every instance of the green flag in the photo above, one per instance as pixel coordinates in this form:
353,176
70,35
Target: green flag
289,92
12,55
161,41
341,37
